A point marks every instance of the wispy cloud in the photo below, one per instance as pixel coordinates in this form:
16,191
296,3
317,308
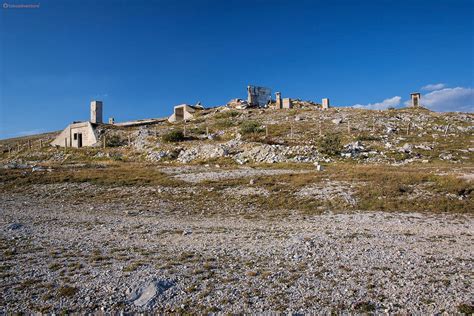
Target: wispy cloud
385,104
449,99
433,87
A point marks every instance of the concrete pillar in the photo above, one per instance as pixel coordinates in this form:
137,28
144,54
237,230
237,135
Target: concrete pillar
96,112
325,104
278,100
250,96
415,99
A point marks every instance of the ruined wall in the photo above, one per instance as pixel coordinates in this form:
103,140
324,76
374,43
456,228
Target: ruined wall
415,99
258,96
287,103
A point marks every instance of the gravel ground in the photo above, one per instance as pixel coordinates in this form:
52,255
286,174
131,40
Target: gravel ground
64,251
197,177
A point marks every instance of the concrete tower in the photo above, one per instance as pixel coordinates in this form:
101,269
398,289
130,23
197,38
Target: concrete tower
96,112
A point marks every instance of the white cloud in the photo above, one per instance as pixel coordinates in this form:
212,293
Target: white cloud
385,104
449,99
432,87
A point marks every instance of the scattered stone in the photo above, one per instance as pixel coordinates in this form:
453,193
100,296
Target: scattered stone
330,190
143,297
407,148
14,226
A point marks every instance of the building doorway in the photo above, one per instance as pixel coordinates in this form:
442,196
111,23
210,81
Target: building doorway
79,140
179,114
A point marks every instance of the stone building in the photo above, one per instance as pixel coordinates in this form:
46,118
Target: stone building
259,96
415,99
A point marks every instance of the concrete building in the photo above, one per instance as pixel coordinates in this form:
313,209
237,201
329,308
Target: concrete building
111,120
96,112
183,112
325,104
278,100
415,99
287,104
81,134
259,96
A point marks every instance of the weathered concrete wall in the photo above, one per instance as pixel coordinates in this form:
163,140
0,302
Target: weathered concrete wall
72,136
96,112
278,100
182,112
287,104
325,103
258,96
415,99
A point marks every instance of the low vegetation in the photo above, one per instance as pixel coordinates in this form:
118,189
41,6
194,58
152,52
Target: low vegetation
331,145
173,137
250,127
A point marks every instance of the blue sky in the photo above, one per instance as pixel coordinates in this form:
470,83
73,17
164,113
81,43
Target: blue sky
143,57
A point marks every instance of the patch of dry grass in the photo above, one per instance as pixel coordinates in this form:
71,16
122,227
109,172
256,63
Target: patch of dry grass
119,174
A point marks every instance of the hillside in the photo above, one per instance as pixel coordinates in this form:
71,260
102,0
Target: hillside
273,136
302,210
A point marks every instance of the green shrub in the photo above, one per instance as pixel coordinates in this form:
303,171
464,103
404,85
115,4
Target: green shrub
67,291
173,137
226,114
331,145
114,141
223,123
466,309
363,138
250,127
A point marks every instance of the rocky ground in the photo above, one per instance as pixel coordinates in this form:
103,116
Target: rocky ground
255,210
78,246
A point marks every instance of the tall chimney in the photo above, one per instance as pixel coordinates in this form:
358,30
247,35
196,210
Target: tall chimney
96,112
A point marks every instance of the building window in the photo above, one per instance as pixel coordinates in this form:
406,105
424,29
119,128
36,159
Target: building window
75,136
